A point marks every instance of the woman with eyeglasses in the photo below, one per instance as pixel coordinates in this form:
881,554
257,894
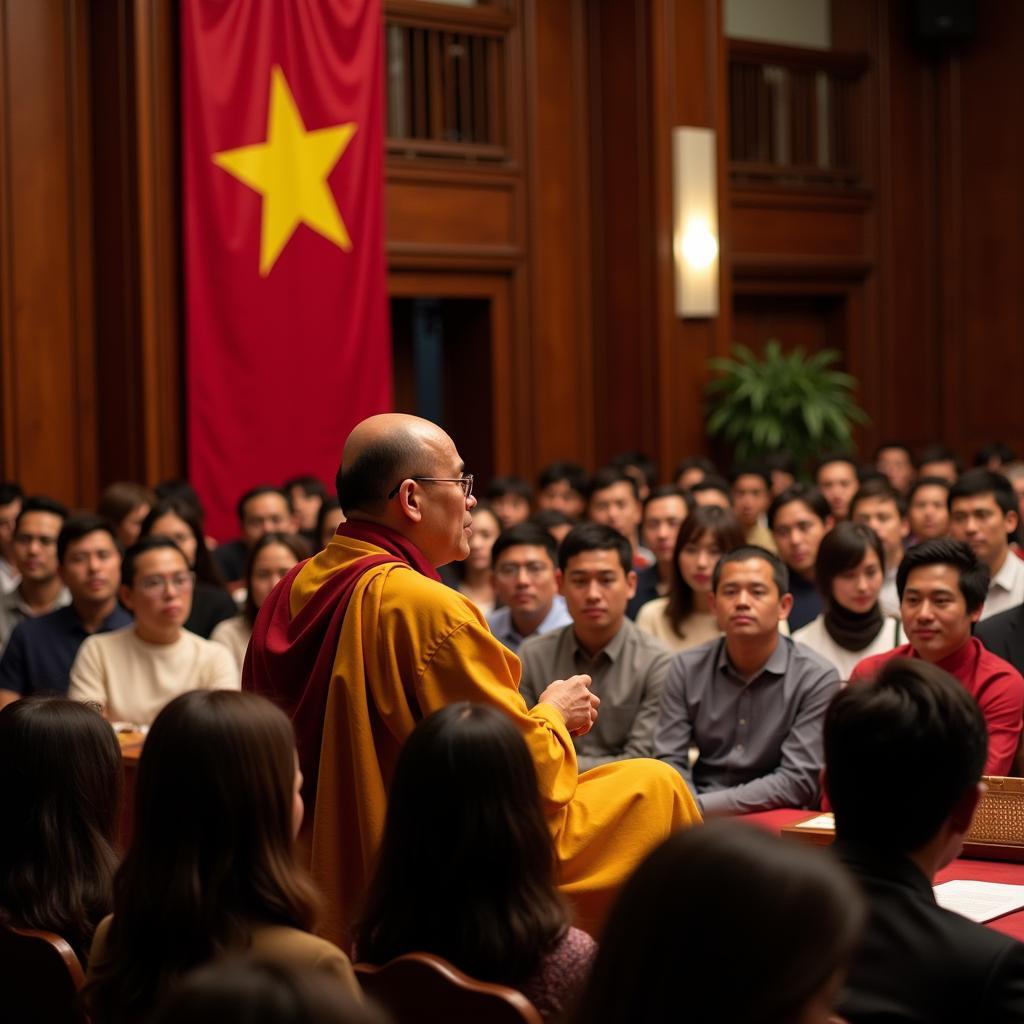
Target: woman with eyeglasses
133,672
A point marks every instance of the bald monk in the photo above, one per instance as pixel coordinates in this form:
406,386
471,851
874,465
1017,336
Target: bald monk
361,641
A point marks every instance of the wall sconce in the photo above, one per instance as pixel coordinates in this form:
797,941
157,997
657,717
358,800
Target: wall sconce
695,222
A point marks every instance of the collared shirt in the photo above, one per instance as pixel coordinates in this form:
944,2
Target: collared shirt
502,626
807,604
627,673
41,650
9,576
14,609
760,741
1006,588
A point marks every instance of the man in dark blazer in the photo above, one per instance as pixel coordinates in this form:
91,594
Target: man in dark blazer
903,763
1003,635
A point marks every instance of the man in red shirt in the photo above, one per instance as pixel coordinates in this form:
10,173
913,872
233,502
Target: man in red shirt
942,587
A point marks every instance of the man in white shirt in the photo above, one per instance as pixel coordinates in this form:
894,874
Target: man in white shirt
983,513
133,672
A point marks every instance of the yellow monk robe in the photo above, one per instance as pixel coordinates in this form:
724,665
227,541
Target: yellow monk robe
410,645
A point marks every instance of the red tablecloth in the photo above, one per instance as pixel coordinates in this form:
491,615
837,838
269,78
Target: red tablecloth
961,868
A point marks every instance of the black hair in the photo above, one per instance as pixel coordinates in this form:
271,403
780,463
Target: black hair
670,491
879,487
40,503
929,481
843,548
639,460
750,469
809,496
311,486
995,450
829,457
523,534
155,542
694,462
205,568
609,476
328,505
546,518
256,492
366,483
555,472
181,490
780,574
595,537
938,453
502,485
713,482
10,491
976,482
974,574
886,445
77,527
918,722
782,462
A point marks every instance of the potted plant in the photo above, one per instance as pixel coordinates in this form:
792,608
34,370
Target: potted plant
793,403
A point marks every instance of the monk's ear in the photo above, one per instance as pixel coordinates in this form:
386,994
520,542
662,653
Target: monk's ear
409,500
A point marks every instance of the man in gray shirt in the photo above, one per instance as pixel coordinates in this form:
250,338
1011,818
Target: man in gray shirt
753,702
627,666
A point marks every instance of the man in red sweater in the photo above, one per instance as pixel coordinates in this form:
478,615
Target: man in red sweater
942,587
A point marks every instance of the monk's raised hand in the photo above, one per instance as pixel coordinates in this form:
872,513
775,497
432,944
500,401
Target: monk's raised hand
574,700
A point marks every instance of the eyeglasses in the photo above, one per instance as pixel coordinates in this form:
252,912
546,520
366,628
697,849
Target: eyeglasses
465,482
511,570
159,584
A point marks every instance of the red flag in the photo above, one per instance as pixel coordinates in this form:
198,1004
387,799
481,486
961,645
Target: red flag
288,344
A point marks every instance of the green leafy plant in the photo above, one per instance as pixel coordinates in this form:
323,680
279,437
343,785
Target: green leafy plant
794,403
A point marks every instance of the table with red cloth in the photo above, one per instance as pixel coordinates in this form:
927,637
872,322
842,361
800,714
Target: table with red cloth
963,868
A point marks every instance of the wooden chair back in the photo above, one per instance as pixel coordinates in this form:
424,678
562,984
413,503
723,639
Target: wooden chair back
39,978
419,988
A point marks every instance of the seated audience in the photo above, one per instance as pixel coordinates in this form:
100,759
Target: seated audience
983,514
558,524
894,461
11,496
879,505
942,587
615,501
61,766
328,521
627,666
464,797
849,573
692,470
684,618
726,924
306,494
993,456
260,510
41,651
41,589
798,519
782,468
928,509
510,497
751,496
524,560
125,506
664,511
837,477
752,702
272,557
563,486
473,576
937,460
211,868
640,467
916,962
249,990
211,603
133,672
712,490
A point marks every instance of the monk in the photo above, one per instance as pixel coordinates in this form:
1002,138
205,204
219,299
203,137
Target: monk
361,641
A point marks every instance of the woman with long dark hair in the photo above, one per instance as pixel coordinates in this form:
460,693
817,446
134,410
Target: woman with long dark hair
464,798
683,619
726,923
848,573
211,868
177,519
61,766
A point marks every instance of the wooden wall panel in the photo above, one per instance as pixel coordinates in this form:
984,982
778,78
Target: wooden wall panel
48,420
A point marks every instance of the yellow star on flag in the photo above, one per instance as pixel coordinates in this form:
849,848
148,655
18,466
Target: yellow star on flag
290,171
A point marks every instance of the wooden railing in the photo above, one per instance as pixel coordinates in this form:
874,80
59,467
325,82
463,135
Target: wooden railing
446,74
795,115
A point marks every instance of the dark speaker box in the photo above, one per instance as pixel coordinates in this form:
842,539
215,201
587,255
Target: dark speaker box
936,21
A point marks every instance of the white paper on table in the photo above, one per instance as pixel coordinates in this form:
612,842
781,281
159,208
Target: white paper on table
826,821
979,901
